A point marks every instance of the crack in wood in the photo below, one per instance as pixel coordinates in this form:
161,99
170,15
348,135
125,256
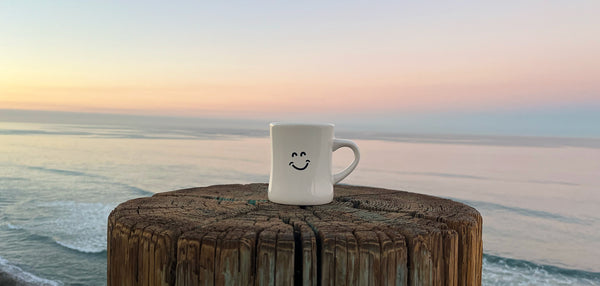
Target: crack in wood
366,236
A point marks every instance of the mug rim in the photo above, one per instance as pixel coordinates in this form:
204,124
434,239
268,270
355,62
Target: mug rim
303,124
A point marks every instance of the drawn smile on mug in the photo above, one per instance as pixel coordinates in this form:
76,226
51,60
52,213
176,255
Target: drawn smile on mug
302,154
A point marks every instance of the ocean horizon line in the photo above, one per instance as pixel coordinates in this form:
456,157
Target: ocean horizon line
215,129
533,124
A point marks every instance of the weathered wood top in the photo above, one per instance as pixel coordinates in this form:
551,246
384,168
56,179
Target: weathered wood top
232,235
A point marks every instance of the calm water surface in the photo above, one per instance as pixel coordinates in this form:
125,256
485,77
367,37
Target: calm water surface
58,183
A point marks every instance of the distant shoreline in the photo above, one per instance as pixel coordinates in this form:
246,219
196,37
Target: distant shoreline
227,129
573,122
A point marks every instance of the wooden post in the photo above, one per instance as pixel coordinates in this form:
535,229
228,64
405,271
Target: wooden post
232,235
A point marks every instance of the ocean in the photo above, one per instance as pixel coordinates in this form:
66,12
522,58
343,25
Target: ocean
538,196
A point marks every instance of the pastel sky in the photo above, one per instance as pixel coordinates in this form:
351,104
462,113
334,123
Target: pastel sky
262,59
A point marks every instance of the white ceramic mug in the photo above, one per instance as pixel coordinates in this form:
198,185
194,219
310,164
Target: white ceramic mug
301,163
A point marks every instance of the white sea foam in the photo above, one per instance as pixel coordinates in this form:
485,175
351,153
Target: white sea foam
12,226
506,271
75,225
23,277
79,248
79,226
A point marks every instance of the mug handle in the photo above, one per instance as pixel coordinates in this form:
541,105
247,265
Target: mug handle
339,143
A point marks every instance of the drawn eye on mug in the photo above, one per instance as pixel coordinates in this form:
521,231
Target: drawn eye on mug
302,154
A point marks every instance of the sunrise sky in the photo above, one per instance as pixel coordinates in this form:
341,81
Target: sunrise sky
302,59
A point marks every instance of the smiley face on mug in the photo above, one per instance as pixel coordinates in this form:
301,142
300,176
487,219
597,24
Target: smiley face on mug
300,160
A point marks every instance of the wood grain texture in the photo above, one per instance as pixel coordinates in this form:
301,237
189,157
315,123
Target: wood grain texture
232,235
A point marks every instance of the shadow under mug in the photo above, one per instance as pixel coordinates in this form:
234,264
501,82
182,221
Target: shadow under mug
301,154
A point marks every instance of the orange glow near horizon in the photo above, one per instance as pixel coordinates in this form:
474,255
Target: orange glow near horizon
191,100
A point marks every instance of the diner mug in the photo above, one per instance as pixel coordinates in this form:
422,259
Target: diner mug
301,156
